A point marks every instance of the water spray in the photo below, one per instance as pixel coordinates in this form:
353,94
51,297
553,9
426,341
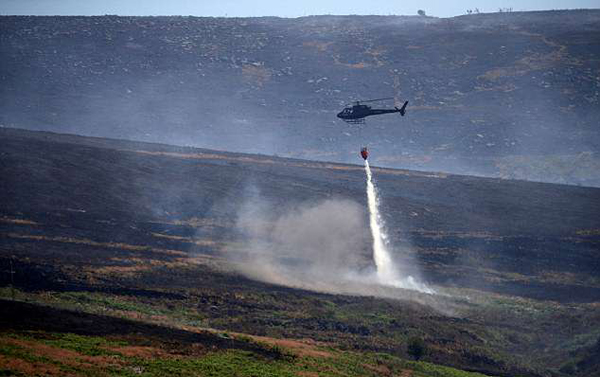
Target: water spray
386,271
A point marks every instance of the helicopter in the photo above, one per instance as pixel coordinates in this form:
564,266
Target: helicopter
356,113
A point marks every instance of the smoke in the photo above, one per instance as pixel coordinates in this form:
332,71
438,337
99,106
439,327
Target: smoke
322,246
309,246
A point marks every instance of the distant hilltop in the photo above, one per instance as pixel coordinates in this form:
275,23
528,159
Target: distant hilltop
511,94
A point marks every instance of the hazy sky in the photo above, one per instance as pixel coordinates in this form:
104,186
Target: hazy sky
246,8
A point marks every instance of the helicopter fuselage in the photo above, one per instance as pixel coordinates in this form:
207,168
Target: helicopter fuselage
362,111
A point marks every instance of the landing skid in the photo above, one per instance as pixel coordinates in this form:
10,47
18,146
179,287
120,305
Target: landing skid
355,121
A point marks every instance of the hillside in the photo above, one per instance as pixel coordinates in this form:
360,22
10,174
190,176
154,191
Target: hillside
104,229
512,95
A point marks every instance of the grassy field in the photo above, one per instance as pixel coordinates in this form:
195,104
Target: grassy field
215,353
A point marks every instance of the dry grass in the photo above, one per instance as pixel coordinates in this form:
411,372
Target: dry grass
143,352
55,356
135,266
530,63
258,75
88,242
298,347
311,165
186,239
12,220
443,234
30,368
588,232
320,46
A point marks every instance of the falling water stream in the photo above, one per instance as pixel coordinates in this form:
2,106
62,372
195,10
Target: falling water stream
386,271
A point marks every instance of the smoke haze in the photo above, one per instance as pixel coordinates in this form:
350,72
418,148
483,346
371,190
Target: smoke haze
324,246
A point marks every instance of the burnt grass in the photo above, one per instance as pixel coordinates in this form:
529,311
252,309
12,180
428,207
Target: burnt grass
100,219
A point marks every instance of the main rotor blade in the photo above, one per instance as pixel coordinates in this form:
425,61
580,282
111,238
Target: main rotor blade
368,100
377,99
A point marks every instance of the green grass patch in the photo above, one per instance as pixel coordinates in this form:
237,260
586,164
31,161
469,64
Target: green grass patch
86,345
89,300
231,362
425,369
169,313
225,363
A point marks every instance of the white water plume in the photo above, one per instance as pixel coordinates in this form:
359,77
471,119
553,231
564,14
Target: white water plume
386,271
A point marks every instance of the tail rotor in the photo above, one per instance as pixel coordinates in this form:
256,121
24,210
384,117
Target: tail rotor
402,110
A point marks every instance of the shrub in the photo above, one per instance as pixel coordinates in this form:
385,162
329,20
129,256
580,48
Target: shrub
416,348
